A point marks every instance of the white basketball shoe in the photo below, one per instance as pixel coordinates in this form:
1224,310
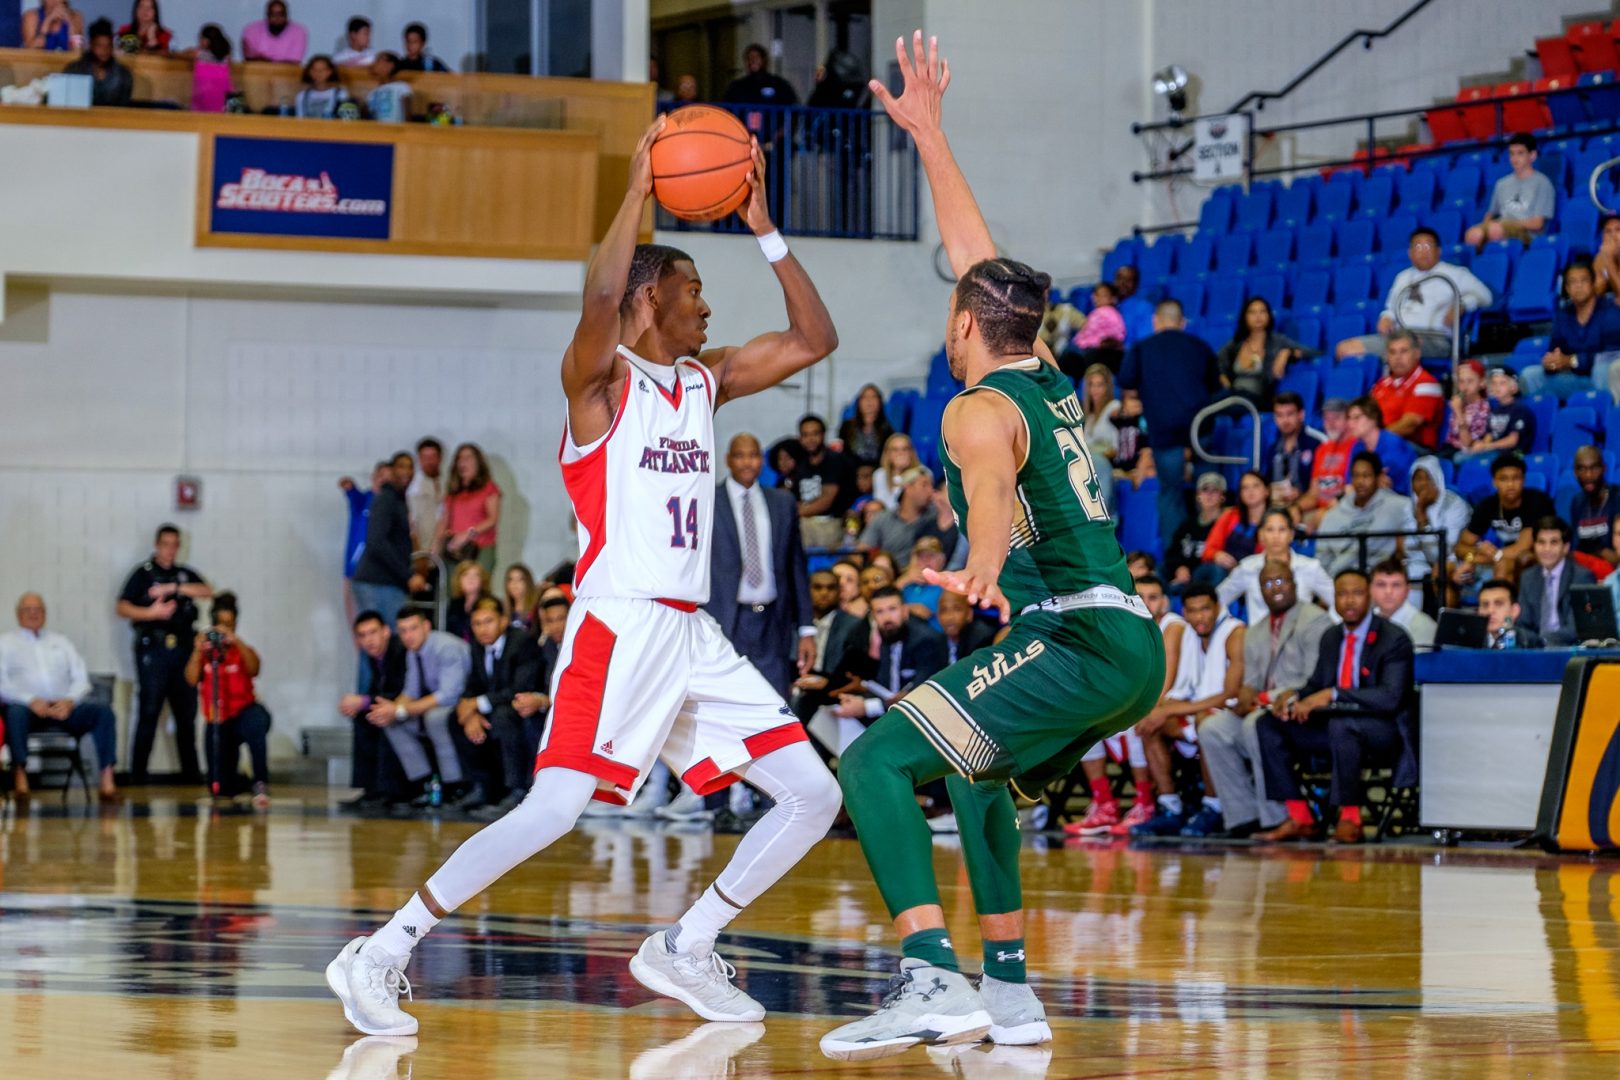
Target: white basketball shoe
702,984
369,985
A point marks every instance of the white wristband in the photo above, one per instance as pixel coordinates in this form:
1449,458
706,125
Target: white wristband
774,247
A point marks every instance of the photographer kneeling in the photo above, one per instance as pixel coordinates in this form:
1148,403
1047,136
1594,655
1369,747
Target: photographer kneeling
223,668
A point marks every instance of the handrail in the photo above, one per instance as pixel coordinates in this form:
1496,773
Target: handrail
1592,183
1456,322
1220,406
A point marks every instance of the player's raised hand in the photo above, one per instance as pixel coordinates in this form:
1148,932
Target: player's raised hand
925,77
756,211
641,178
980,588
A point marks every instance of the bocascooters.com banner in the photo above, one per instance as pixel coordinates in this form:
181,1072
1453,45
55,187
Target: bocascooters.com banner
298,187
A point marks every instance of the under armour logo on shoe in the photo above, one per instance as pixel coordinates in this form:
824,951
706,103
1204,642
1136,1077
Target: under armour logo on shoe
1009,957
945,942
411,930
606,748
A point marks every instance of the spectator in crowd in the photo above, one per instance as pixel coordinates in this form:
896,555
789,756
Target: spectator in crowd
758,86
824,482
865,434
840,83
1184,560
1100,339
964,633
1140,564
865,507
425,495
469,583
112,84
895,531
1427,308
1545,605
230,707
211,79
359,513
1058,326
384,577
1276,545
1583,329
1391,598
1470,409
1369,508
1208,674
417,57
759,589
1606,263
850,599
1136,310
1257,357
535,706
322,93
1280,647
389,103
840,651
1522,202
1098,405
1168,378
1509,423
472,510
686,90
522,600
373,767
505,663
1364,420
910,652
1499,603
436,666
1286,462
1411,399
54,26
275,38
1330,464
1356,708
43,684
145,32
922,598
898,456
1436,507
1499,535
160,599
877,576
1594,508
357,50
1235,535
1103,816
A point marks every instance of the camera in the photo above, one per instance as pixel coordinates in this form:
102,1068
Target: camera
215,638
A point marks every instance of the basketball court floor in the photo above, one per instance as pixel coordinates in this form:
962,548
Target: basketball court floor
161,940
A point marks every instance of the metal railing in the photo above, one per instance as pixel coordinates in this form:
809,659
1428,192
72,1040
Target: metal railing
441,585
840,173
1214,408
1456,319
1438,557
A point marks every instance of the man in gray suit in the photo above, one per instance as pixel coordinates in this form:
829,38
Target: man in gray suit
1545,607
1279,654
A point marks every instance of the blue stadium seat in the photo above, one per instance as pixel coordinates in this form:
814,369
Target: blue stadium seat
924,431
1537,480
1473,480
1190,291
1217,330
1351,282
1314,244
1308,331
1545,408
1355,239
1417,190
1486,160
1342,380
1122,254
1448,223
899,408
1304,380
1254,209
1233,252
1387,271
1395,231
1196,257
1343,325
1602,95
1080,297
1137,311
1158,260
1377,195
1224,297
1492,268
1270,286
1334,200
1531,296
1578,224
1139,517
1312,288
1568,109
940,381
1295,201
1461,190
1574,426
1216,215
1273,249
1585,163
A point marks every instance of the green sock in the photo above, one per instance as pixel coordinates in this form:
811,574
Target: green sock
931,947
1004,960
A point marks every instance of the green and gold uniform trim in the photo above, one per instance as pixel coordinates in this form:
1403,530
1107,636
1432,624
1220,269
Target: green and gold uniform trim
947,725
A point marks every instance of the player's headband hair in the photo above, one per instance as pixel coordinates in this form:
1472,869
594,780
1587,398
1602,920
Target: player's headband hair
1007,299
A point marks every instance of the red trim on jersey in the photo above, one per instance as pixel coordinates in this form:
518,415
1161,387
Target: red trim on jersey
705,777
708,379
586,482
679,605
675,398
577,711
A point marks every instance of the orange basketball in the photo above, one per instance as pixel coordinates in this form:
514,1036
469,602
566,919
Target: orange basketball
700,163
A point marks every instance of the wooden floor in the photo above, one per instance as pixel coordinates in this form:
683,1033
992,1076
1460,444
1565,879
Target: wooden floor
161,940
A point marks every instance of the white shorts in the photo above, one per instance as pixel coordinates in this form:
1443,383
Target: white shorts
1126,746
637,680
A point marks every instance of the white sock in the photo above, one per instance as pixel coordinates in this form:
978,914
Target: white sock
1170,803
409,925
807,800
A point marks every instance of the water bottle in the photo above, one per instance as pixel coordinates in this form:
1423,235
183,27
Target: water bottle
286,107
435,791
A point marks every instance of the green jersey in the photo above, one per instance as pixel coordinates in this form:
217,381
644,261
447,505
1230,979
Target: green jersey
1063,540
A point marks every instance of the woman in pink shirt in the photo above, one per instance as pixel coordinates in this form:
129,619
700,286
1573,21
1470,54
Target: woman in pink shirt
472,509
1101,340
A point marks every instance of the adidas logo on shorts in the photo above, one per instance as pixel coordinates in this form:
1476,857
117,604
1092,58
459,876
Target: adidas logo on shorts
606,748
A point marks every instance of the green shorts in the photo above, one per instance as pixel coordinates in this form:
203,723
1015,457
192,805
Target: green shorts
1028,708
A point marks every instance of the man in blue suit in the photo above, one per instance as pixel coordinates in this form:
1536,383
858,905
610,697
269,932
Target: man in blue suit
759,587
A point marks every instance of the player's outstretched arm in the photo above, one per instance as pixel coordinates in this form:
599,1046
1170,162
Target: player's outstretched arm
773,357
589,358
984,432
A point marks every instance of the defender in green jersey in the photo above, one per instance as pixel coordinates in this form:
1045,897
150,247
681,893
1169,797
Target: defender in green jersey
1082,659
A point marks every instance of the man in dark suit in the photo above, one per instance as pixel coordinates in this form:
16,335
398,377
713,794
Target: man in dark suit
490,735
910,652
963,632
759,588
375,770
840,657
1356,708
1545,607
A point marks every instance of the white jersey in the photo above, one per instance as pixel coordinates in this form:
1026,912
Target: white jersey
644,492
1202,671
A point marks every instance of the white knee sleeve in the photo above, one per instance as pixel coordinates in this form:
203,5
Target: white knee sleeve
807,800
1134,750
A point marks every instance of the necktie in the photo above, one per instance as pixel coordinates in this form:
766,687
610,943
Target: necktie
1549,604
1347,666
489,662
421,675
753,569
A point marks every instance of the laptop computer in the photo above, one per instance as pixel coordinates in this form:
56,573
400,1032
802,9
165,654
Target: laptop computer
1460,629
1594,613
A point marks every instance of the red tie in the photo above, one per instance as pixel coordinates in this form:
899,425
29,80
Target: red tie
1347,667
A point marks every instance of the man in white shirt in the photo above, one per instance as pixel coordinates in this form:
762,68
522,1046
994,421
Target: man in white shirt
1391,598
43,683
425,495
357,51
1427,309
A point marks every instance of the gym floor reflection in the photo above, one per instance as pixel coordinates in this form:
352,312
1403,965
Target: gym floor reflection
161,940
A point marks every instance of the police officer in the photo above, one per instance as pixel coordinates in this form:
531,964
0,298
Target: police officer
160,600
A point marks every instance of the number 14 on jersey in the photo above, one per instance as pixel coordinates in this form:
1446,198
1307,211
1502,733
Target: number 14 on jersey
686,537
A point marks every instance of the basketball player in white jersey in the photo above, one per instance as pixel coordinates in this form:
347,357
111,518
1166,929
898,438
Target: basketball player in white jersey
643,672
